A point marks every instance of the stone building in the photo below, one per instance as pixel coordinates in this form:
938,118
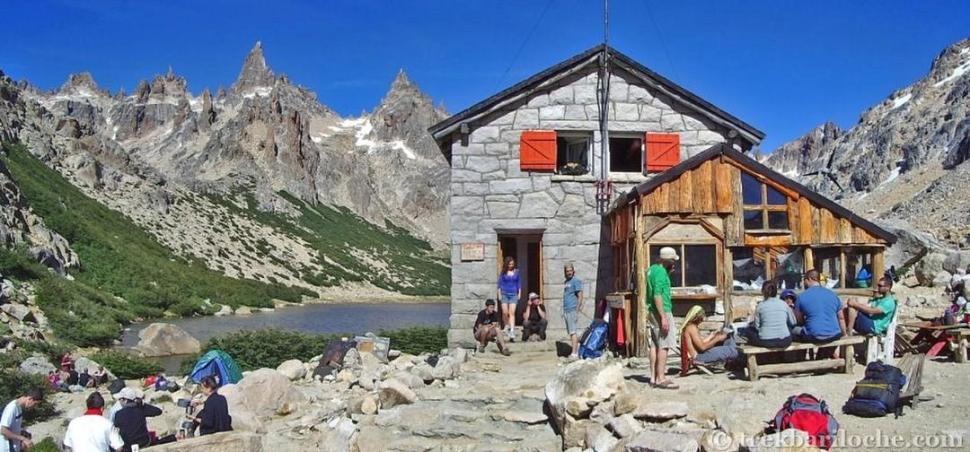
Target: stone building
525,165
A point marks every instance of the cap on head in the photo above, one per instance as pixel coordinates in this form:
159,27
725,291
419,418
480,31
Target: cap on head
127,394
489,302
668,253
533,295
788,293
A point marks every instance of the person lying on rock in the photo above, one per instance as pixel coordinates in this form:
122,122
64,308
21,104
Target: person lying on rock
132,423
486,328
214,417
535,319
717,348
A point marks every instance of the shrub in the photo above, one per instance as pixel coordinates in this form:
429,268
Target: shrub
46,445
127,366
14,384
53,351
418,339
270,347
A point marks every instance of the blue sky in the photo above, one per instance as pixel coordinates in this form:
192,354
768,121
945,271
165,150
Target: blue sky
781,65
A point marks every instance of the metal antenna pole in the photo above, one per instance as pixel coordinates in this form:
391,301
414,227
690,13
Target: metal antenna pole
603,189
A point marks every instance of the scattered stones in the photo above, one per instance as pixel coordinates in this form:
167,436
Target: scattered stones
18,311
581,379
655,441
244,310
600,439
292,369
223,311
661,411
218,442
448,367
368,405
523,417
625,426
164,339
424,371
790,440
393,393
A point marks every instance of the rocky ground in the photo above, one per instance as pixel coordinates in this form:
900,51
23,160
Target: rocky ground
536,401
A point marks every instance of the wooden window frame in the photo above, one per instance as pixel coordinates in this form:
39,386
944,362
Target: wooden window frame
629,136
764,207
683,261
571,135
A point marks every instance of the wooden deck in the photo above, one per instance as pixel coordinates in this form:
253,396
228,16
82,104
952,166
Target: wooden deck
843,364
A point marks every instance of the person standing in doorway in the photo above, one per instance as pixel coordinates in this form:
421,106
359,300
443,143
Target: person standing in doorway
509,293
660,307
572,303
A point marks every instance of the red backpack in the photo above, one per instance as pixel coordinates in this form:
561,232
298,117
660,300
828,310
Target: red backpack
806,413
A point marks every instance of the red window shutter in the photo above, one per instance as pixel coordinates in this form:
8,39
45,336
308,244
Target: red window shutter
537,150
663,151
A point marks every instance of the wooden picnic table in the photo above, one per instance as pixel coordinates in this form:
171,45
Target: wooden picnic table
955,337
843,364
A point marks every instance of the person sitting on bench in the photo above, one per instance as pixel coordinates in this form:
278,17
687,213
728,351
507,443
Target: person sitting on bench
819,313
717,347
773,320
875,316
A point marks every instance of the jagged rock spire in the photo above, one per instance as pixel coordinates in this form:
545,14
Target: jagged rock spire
81,82
254,72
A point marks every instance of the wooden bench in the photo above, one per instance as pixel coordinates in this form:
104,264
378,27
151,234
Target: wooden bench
843,364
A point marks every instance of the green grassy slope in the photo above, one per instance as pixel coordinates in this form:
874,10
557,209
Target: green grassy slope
352,249
120,258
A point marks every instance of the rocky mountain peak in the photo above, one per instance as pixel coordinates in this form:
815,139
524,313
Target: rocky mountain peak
806,154
405,113
81,84
254,72
950,58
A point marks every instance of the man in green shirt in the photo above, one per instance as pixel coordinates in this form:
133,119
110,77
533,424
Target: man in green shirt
659,306
875,316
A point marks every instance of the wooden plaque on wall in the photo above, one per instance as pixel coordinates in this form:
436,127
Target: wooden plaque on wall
472,251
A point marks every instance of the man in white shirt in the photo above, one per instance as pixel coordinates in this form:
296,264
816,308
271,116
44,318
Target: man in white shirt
12,436
92,432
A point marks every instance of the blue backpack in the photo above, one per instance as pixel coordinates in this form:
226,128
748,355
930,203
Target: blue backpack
593,341
877,394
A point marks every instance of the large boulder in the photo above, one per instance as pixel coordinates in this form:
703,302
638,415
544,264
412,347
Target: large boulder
266,391
394,392
218,442
243,419
929,267
586,380
165,339
37,365
911,244
446,368
19,312
957,260
293,369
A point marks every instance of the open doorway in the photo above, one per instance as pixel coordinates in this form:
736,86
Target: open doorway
526,249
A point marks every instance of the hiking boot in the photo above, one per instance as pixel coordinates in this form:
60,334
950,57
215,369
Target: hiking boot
481,349
506,352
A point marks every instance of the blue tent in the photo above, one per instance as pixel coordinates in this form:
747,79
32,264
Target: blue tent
218,363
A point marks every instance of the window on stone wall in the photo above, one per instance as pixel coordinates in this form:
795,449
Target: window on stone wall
626,154
697,265
765,208
572,153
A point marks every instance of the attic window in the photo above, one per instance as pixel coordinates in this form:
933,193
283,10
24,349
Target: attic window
765,208
572,153
626,155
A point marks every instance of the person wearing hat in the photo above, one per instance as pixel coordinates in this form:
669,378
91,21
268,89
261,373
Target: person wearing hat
122,397
660,307
486,328
132,422
789,296
535,318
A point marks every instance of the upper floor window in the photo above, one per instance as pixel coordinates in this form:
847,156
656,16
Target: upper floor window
765,208
626,154
572,153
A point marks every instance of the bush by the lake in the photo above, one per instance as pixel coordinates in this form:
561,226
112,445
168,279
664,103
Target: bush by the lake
126,366
14,383
418,339
270,347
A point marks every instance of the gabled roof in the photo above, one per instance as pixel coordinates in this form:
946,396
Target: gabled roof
443,129
754,165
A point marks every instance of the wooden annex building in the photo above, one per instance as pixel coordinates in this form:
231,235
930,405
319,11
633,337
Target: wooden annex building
735,223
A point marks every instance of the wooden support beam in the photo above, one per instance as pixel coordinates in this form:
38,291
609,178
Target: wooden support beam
640,301
727,272
878,266
809,259
842,269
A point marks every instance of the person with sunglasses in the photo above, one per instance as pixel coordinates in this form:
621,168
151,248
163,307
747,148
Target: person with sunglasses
874,316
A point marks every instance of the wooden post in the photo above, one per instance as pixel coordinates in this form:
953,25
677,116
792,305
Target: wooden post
727,286
842,270
878,266
641,301
809,259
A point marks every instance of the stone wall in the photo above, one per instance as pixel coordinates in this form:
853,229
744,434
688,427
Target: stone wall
490,194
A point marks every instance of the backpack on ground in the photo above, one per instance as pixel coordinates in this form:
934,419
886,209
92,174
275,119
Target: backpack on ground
807,413
116,386
877,394
593,341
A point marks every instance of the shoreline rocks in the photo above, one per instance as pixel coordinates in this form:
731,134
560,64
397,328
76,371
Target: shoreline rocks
165,339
